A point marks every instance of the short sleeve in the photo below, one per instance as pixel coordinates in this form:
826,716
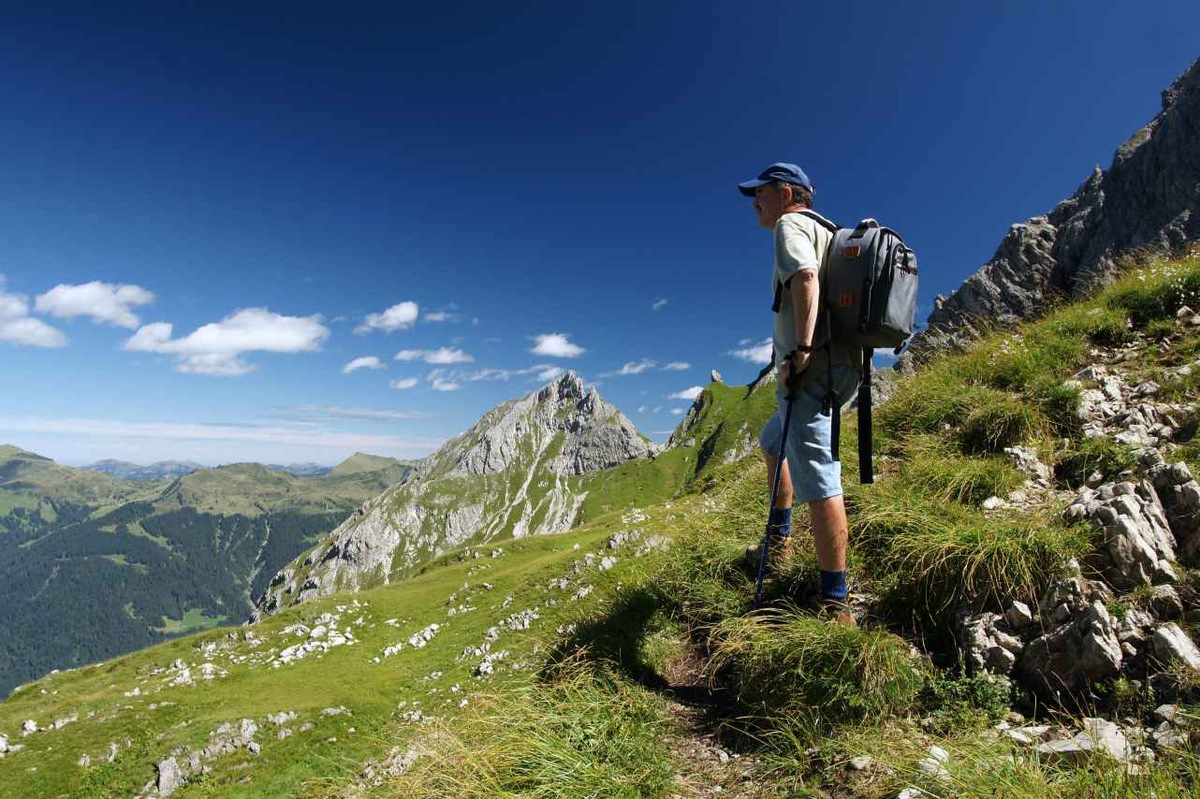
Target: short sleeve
794,248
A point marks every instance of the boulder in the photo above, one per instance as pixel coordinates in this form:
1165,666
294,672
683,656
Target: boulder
1138,542
1073,656
1179,494
170,777
987,645
1026,461
1098,737
1173,646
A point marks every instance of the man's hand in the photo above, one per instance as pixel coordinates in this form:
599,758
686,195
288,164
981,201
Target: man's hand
792,367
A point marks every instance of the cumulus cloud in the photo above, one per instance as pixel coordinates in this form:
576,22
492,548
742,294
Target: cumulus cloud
18,327
400,316
556,345
404,382
366,362
687,393
440,357
103,303
215,348
547,373
440,381
632,368
759,354
659,304
677,366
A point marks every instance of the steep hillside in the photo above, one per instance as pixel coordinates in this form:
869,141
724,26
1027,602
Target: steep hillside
92,566
1147,198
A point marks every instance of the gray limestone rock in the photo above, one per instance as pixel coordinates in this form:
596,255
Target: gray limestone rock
1098,737
1179,494
170,777
1137,539
1073,656
1026,460
987,645
1173,646
1146,198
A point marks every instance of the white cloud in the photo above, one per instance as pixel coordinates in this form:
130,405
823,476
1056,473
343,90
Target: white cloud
641,409
310,412
366,362
442,316
677,366
404,382
677,411
442,380
757,353
214,349
659,304
632,368
440,357
556,345
548,373
103,303
400,316
18,327
540,372
687,393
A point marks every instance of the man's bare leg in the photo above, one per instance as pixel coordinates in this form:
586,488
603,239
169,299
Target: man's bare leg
784,498
830,532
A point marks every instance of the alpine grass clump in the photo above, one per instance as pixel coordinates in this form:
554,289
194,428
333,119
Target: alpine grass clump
813,673
581,733
934,555
934,471
1101,454
1003,421
1157,290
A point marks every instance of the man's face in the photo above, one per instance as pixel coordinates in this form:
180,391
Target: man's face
769,202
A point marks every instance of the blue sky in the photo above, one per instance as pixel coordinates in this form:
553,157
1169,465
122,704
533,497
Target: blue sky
296,189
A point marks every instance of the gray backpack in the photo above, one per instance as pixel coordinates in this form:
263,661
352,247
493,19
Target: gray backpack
868,300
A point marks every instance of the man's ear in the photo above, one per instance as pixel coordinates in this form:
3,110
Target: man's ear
787,194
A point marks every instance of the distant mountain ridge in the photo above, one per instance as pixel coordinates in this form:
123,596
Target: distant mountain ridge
1148,197
508,476
154,471
93,565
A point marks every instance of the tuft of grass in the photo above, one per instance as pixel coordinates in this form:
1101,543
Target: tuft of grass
816,674
935,555
1002,422
1157,290
935,472
1102,454
582,733
961,702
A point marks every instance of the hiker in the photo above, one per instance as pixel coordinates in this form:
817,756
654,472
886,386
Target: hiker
809,472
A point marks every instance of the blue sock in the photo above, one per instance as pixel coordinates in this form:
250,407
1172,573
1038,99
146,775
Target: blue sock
781,522
833,585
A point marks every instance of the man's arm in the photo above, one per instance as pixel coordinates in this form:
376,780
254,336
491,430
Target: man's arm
805,295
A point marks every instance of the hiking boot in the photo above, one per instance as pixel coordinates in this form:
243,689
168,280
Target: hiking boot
837,611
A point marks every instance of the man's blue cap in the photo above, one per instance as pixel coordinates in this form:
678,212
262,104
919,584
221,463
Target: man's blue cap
785,173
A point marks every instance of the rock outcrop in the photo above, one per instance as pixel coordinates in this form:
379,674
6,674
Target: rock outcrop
1149,197
509,475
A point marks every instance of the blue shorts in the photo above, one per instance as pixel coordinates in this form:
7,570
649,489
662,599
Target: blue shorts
815,474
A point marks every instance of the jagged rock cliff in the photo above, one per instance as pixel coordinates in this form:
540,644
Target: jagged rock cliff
1148,197
506,476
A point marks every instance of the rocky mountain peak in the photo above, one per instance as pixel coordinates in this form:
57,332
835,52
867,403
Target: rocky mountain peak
1147,198
509,475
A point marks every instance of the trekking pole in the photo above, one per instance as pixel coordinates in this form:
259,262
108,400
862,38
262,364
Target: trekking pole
766,544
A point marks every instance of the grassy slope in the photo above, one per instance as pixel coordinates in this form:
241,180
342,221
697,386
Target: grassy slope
833,694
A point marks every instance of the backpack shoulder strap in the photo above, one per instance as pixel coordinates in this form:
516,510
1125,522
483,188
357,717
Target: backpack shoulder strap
829,225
